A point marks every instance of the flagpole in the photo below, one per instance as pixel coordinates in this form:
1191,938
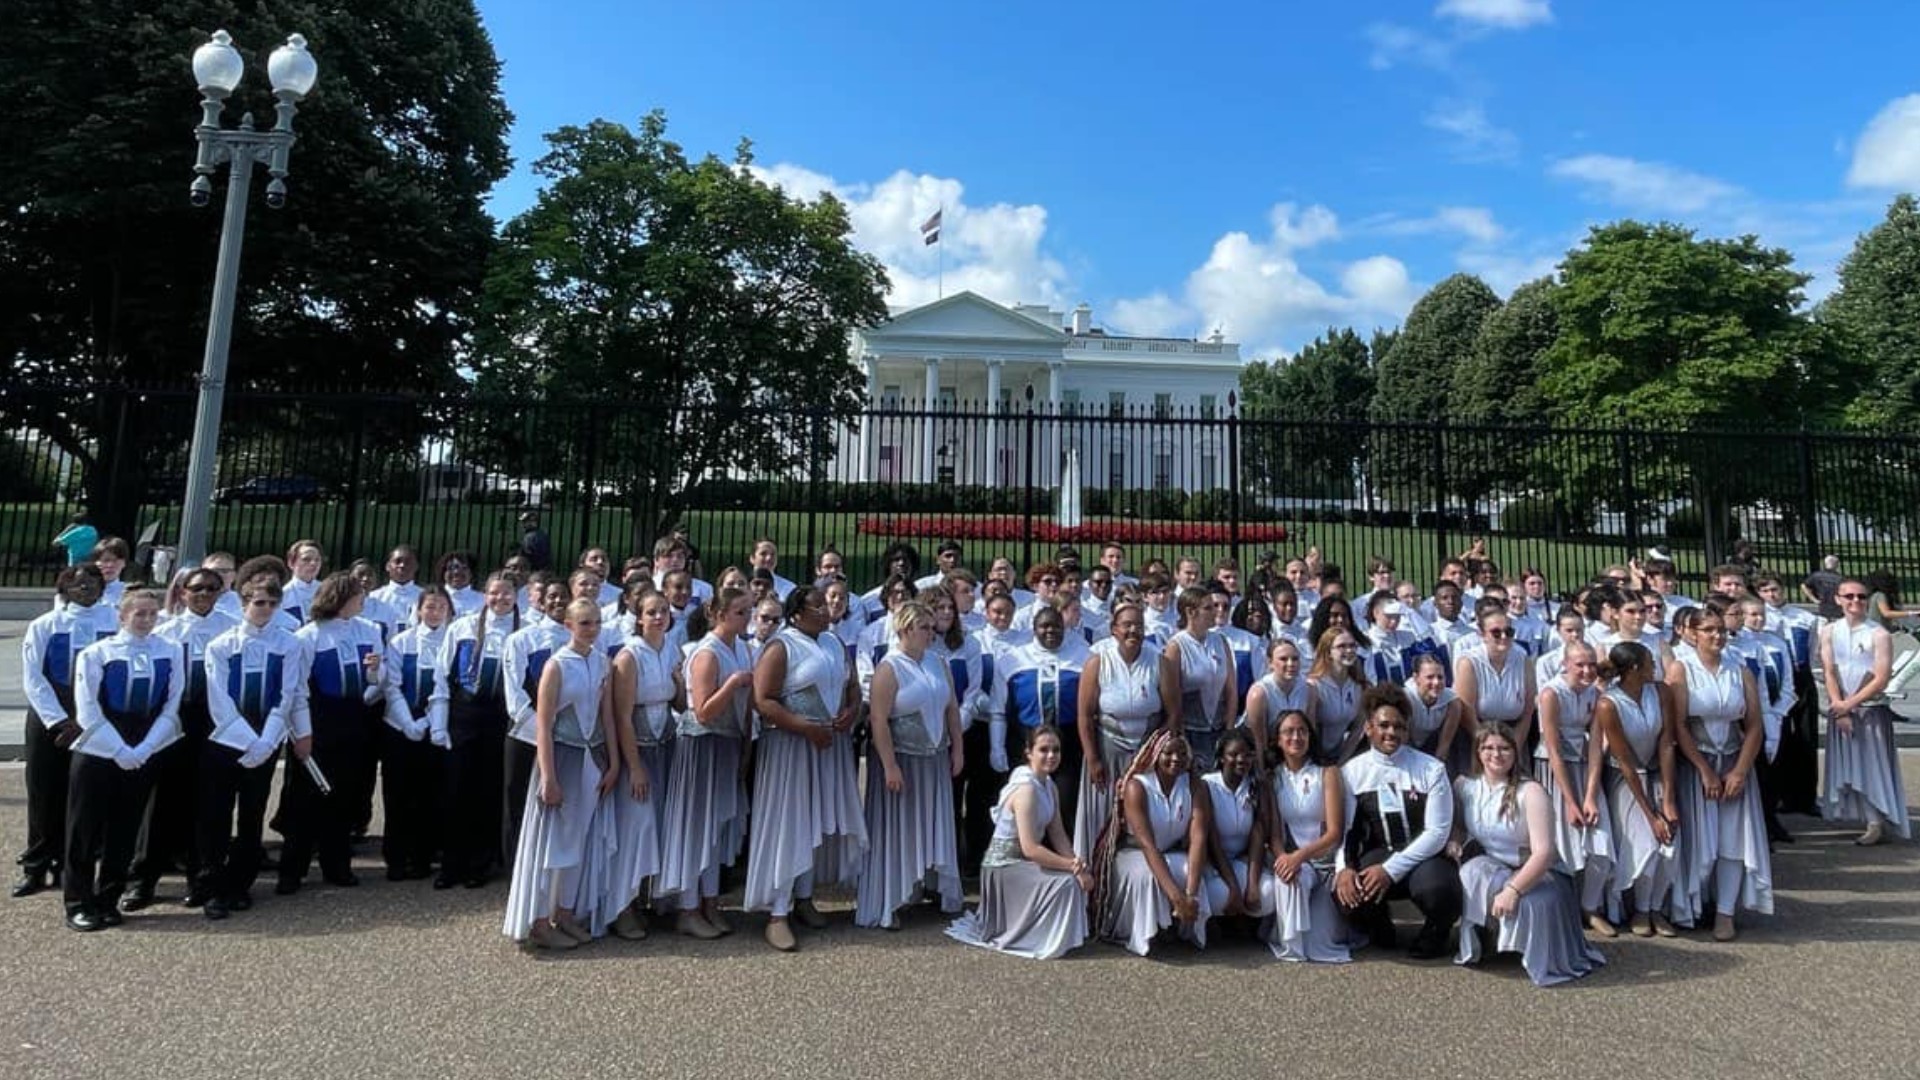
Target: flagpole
940,253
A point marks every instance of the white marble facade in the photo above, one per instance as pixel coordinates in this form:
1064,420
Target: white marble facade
1138,411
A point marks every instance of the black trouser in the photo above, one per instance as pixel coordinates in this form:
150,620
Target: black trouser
167,831
47,769
472,795
323,824
229,821
974,796
1795,780
104,807
519,762
1433,886
409,793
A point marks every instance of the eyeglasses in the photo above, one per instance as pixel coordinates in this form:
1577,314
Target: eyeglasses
1500,632
1049,580
1853,596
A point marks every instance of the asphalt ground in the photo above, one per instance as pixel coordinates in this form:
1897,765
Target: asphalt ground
392,980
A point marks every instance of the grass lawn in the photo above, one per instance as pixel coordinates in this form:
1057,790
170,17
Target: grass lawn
725,537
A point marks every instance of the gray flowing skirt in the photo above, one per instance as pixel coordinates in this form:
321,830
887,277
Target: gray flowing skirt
1638,855
635,856
1586,854
807,816
1710,831
909,835
1545,928
1141,910
562,848
706,812
1305,924
1863,771
1025,910
1095,807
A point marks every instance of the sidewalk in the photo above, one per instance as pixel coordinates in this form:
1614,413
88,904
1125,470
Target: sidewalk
13,700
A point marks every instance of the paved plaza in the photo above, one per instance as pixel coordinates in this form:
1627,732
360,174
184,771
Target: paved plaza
399,980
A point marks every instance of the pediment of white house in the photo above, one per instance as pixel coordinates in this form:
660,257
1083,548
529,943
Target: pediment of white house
962,317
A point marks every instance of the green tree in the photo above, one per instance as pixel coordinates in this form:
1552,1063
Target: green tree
1301,435
366,279
1674,335
1415,382
1496,387
692,285
1876,313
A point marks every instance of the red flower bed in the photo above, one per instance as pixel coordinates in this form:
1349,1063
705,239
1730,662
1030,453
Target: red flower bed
971,527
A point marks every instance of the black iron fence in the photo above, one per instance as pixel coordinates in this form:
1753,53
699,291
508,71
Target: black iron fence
361,473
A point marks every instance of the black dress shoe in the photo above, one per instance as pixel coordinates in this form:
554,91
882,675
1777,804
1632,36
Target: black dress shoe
445,881
478,881
110,916
345,879
286,886
240,902
138,898
215,909
1428,945
194,898
84,921
396,873
31,882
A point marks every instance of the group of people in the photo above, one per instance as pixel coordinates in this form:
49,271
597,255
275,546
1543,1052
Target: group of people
1113,756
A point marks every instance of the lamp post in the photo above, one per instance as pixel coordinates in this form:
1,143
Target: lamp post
217,68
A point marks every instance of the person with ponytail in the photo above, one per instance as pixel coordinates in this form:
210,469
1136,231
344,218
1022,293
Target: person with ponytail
1863,763
1515,899
1033,888
649,690
1636,728
1198,665
566,838
810,829
706,798
1568,762
542,632
468,719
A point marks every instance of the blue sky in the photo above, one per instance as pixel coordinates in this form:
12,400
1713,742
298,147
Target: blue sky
1264,168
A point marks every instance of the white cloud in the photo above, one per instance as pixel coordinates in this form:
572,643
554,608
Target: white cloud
1256,292
1394,44
1501,14
1475,223
995,250
1887,154
1644,185
1476,138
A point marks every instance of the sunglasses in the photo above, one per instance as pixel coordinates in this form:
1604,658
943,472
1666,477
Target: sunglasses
1501,632
1853,596
203,588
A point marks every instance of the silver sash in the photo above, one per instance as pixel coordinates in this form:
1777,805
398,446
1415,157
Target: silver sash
910,736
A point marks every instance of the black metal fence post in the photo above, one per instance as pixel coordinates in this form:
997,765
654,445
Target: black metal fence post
1026,530
816,468
1629,498
1809,506
1233,478
1440,549
350,517
589,480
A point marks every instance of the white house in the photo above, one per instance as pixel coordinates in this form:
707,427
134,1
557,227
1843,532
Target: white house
1139,412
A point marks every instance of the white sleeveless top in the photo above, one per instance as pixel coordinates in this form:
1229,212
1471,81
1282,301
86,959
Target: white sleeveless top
1280,701
1233,812
816,675
1641,721
733,724
1170,814
1129,693
1718,700
1853,654
577,717
1478,804
652,685
924,689
1503,694
1302,801
1424,721
1575,720
1205,667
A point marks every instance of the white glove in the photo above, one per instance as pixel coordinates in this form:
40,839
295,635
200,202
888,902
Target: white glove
441,739
997,745
256,753
416,730
127,758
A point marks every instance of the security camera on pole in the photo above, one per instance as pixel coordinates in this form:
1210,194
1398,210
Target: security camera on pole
217,68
